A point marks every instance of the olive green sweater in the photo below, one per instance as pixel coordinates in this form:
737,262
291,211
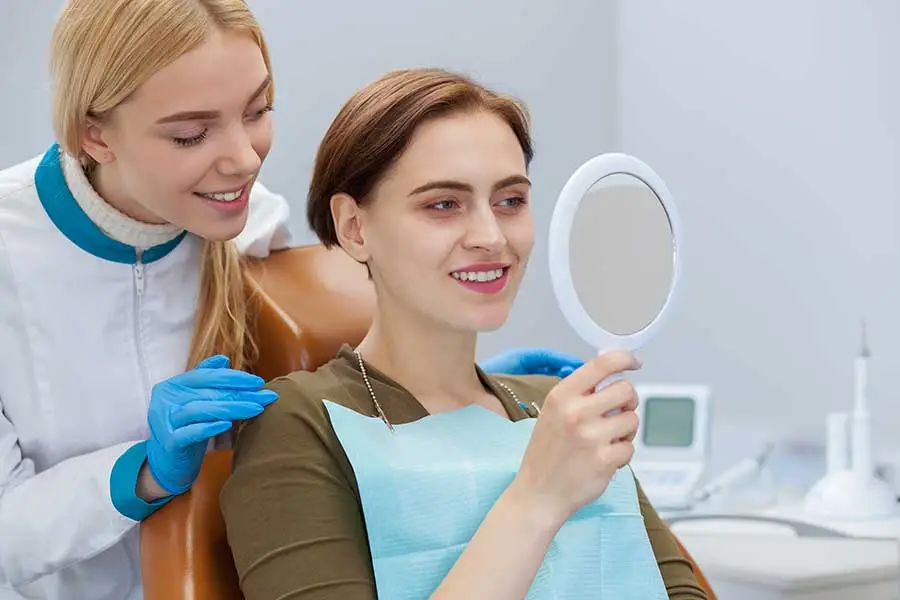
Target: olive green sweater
292,506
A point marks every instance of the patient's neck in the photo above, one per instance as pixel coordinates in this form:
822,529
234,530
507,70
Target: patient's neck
434,363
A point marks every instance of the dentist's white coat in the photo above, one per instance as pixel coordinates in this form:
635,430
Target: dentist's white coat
82,341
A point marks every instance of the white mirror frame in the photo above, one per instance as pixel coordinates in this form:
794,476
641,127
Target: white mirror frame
561,223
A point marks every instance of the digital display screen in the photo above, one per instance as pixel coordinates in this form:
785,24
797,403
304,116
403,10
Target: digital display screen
668,421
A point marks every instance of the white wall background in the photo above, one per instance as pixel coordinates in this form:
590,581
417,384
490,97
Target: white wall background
775,125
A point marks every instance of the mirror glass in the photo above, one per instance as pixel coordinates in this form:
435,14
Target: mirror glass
622,254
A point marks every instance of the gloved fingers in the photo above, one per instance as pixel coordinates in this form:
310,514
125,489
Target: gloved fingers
198,432
531,361
213,362
205,411
188,395
218,378
565,372
549,361
261,397
508,363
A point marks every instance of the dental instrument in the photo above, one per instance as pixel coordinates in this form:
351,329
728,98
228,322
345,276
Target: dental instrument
734,475
854,493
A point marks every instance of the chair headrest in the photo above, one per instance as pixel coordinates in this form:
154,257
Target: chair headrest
308,302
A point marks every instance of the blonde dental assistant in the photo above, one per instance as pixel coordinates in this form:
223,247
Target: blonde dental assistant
119,270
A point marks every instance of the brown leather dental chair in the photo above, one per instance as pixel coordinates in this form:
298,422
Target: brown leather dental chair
309,301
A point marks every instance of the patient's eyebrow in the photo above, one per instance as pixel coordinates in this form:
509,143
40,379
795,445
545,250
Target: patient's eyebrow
449,184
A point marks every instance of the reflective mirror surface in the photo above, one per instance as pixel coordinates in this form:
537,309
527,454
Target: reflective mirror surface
622,254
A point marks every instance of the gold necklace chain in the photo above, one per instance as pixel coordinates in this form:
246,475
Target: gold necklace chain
365,376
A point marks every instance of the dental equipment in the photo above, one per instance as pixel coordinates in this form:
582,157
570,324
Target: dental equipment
734,475
853,493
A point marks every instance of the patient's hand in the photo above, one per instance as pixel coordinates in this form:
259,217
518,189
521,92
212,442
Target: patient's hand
577,446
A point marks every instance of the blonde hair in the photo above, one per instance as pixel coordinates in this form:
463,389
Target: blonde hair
102,51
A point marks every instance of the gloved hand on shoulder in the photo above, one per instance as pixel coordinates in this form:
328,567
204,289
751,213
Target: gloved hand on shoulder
532,361
192,407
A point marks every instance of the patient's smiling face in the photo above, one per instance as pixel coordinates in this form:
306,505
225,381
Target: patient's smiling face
447,232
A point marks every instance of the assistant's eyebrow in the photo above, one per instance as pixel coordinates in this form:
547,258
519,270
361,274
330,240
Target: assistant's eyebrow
206,115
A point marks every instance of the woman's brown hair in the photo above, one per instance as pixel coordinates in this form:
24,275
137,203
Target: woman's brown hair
375,126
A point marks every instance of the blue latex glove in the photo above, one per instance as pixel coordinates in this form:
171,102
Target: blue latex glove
189,409
532,361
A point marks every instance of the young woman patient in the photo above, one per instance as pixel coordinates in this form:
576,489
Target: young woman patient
400,469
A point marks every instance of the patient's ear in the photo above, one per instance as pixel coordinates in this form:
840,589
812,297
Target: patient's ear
348,226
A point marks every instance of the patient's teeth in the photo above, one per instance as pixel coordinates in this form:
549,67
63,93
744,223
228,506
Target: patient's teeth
479,276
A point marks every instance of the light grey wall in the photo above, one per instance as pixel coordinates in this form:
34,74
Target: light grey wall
775,125
562,66
25,97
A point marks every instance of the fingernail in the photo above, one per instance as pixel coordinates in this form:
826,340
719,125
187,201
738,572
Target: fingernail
638,362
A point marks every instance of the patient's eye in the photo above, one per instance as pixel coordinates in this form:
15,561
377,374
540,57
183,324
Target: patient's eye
443,205
512,203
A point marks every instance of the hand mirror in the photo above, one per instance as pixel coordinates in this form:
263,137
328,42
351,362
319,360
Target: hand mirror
613,251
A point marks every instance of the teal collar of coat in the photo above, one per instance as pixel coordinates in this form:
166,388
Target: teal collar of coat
72,222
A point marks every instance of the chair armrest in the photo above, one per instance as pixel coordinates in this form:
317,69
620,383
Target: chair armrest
184,548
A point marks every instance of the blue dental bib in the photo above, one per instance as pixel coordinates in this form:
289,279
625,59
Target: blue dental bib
427,486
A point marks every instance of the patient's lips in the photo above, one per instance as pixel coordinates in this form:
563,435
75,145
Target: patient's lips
485,278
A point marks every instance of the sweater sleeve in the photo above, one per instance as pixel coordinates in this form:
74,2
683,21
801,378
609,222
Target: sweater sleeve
61,516
677,573
293,517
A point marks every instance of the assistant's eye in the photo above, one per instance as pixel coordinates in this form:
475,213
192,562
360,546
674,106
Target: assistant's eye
265,109
192,140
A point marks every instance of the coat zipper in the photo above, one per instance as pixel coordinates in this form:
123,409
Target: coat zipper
138,333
